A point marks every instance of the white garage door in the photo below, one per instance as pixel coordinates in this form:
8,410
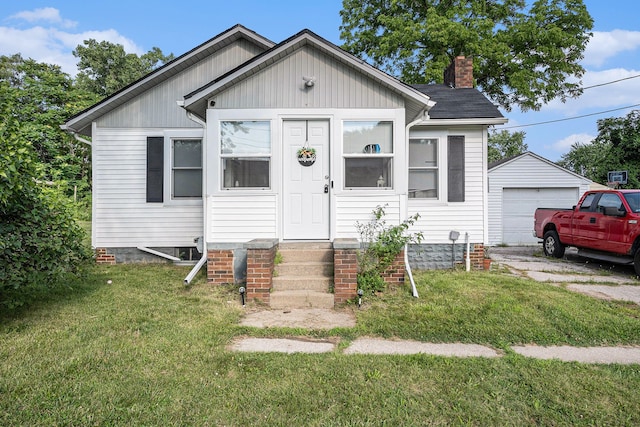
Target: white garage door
519,204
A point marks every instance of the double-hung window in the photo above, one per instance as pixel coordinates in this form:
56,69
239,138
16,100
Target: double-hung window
245,152
186,168
368,154
423,168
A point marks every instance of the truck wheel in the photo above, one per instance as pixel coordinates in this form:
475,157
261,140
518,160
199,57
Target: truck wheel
551,245
636,262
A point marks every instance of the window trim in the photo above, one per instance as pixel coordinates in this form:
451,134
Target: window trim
175,168
222,156
169,137
437,167
391,155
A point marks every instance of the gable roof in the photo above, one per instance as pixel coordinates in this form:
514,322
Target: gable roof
196,101
81,122
506,161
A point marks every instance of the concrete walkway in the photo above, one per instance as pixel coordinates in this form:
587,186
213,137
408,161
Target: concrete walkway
520,261
377,346
584,277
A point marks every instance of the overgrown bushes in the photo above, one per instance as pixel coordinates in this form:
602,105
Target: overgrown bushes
382,243
40,242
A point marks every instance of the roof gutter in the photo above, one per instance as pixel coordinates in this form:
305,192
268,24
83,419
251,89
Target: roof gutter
477,121
81,139
75,135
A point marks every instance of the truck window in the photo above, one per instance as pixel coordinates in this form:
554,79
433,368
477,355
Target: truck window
633,199
609,200
586,203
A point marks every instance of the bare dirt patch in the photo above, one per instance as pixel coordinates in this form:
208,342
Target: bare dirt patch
311,318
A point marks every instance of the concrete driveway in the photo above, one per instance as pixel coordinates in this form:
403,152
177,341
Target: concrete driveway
591,277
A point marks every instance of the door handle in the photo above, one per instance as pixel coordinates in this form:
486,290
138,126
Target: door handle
592,220
326,188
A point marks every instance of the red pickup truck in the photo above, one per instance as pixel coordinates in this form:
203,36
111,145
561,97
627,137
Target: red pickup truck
603,225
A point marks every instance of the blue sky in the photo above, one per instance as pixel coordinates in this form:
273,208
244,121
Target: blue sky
48,31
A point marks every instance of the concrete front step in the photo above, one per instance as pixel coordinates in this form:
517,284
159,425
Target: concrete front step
305,269
304,276
301,299
317,284
306,255
305,245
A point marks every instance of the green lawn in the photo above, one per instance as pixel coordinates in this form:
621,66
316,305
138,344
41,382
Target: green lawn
146,351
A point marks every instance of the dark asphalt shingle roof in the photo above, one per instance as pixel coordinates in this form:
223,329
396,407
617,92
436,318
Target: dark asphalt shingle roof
458,103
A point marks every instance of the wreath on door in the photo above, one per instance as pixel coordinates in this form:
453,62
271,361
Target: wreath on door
306,156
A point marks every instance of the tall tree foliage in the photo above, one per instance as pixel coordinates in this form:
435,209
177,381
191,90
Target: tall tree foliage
505,144
586,159
525,53
616,148
40,242
105,67
41,97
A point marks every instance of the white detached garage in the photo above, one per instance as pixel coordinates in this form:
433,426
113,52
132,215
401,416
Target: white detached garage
521,184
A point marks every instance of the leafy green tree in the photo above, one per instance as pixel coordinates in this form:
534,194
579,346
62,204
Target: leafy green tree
586,159
616,148
525,53
40,242
41,97
505,144
622,134
105,67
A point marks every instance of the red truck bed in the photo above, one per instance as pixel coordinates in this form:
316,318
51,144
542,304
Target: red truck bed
604,222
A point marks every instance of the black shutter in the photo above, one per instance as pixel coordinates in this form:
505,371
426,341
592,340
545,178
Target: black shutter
155,169
456,168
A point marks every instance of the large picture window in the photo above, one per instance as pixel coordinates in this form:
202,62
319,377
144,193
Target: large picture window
186,168
368,154
423,168
245,151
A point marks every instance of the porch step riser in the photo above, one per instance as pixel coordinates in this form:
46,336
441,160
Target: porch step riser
298,283
308,255
304,276
305,246
301,299
305,270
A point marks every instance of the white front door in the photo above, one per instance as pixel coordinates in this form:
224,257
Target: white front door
306,188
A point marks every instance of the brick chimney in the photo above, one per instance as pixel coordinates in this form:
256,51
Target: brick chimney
459,74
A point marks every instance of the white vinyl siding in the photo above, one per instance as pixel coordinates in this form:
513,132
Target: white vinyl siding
352,209
281,86
529,172
238,218
157,107
437,216
121,215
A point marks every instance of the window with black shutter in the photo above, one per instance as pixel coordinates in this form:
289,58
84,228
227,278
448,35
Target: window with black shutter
456,168
155,168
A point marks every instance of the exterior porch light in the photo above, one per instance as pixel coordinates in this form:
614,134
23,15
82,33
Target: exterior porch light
309,81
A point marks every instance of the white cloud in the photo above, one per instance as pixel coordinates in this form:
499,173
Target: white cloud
45,14
564,145
606,45
51,44
599,98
